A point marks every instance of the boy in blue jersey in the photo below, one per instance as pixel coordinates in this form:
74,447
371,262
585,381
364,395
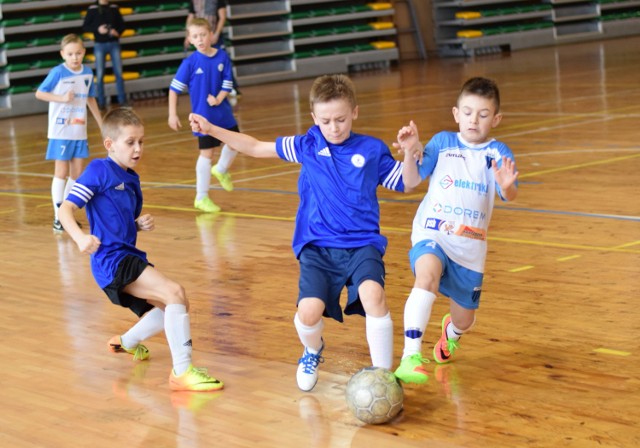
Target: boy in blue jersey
207,76
110,190
69,89
337,236
449,235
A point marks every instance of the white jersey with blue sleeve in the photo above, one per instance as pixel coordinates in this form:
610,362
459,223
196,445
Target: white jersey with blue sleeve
457,208
113,199
337,187
68,121
202,76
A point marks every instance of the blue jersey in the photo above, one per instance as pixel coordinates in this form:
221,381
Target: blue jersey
337,187
206,75
114,201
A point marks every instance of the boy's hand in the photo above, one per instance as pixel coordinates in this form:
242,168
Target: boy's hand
145,223
198,123
68,96
87,243
212,100
409,143
506,175
174,122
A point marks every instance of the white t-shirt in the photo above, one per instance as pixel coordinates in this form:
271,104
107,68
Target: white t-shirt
457,208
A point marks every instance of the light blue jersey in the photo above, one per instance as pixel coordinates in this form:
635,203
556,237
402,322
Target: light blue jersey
202,76
114,201
337,187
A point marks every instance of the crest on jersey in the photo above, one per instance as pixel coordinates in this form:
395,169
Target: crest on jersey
357,160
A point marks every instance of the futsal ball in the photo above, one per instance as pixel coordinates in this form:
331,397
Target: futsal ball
374,395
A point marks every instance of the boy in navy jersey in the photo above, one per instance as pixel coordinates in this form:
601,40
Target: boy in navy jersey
337,237
207,76
110,190
69,89
449,235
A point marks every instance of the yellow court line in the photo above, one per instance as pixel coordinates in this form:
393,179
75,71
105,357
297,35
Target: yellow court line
564,246
570,257
581,165
608,351
521,268
7,211
632,243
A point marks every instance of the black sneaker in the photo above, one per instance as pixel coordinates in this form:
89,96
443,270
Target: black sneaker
57,226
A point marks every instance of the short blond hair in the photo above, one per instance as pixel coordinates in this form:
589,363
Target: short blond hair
204,23
70,39
332,87
116,119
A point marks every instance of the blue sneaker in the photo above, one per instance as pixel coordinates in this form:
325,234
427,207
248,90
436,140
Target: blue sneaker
307,375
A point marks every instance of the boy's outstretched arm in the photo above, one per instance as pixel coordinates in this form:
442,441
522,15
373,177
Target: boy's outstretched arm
240,142
409,144
506,177
87,243
174,121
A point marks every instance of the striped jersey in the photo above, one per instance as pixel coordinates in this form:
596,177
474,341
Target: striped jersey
457,208
203,75
113,199
337,188
68,121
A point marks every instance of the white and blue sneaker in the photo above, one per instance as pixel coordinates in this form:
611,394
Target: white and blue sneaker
307,375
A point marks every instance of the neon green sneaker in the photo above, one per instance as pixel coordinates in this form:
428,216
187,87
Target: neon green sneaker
206,205
194,379
139,352
411,369
223,178
445,347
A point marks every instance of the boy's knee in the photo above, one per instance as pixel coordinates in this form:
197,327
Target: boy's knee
310,311
176,294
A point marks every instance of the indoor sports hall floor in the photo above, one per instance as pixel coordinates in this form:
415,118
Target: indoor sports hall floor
552,361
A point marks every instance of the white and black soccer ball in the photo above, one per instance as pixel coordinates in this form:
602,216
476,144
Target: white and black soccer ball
374,395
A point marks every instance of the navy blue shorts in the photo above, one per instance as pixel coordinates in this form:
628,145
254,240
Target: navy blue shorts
208,142
325,271
129,269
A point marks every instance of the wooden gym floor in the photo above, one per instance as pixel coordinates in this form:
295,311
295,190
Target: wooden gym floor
552,361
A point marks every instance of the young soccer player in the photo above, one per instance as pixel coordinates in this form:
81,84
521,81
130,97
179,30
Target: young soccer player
449,237
207,76
337,236
69,89
110,190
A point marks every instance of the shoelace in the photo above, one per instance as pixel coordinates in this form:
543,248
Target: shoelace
452,346
310,362
204,376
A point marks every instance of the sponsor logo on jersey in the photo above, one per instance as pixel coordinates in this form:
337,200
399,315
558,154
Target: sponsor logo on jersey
459,211
199,71
120,187
446,182
324,152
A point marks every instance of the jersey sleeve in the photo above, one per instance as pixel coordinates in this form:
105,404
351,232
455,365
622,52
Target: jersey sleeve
290,148
227,77
87,185
390,171
430,157
51,81
180,82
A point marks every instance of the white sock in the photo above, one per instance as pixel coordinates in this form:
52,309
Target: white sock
380,339
57,194
227,156
149,325
203,177
178,331
311,337
417,312
68,186
454,333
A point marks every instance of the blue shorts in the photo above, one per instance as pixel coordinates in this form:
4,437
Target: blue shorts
67,149
325,271
460,284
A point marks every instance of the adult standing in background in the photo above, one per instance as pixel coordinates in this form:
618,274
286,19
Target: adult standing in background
106,24
215,11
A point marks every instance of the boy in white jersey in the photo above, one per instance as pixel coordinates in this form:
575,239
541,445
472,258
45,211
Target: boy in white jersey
337,236
69,89
110,190
207,76
450,228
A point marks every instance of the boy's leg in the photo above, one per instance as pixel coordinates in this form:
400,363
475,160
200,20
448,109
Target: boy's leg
459,321
379,325
61,171
203,182
156,287
220,170
148,326
309,325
